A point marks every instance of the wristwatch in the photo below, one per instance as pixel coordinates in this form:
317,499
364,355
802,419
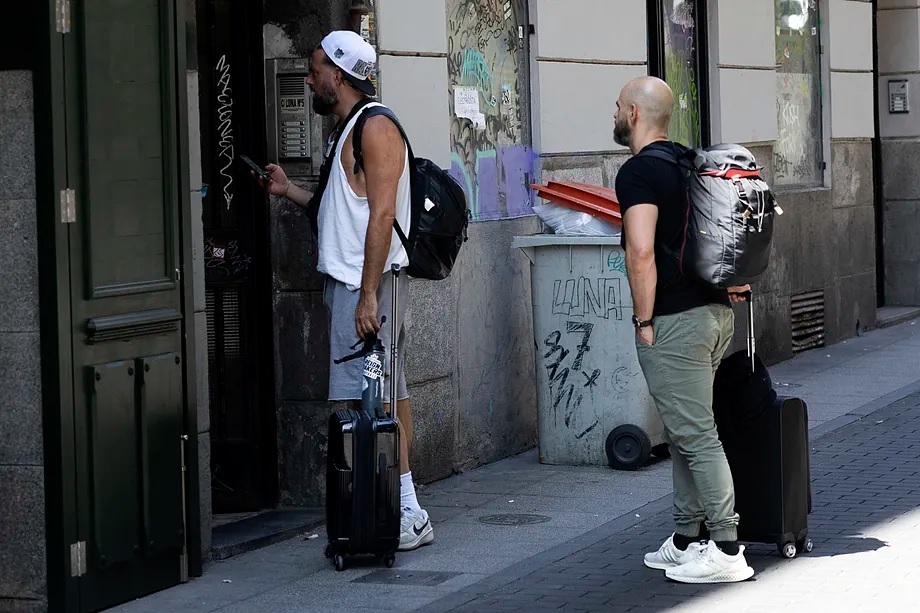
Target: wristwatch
638,323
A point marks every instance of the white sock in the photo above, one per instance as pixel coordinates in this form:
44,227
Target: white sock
407,492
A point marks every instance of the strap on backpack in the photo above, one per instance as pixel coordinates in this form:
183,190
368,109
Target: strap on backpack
359,155
325,170
658,154
678,158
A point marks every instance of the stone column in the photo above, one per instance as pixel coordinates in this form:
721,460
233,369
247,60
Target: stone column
899,60
23,580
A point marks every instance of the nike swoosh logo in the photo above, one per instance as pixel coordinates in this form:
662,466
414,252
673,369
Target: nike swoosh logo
418,531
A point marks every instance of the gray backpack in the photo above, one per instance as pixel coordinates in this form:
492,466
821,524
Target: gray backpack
728,233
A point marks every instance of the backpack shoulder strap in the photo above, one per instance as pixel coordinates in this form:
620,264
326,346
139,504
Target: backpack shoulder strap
326,168
658,154
379,109
356,137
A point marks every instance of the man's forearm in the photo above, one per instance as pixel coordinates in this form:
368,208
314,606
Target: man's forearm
643,279
298,195
376,249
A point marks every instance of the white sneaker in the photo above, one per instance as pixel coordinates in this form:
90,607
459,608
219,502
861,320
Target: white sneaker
416,530
669,556
712,565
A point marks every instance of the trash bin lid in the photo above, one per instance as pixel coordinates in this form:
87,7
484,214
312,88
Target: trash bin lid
552,240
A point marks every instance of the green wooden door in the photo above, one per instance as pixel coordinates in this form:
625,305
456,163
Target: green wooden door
124,167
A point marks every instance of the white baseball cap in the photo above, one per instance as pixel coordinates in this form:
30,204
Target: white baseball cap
355,56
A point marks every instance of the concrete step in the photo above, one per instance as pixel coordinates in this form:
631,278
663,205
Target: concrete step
261,530
892,316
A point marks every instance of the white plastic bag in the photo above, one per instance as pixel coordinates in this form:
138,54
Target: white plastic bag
568,222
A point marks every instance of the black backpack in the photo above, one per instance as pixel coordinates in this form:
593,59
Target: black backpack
728,233
436,233
440,214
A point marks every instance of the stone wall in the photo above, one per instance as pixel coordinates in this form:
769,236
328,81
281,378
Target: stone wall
902,221
23,584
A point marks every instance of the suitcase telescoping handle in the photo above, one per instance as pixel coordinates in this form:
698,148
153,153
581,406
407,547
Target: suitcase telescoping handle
748,297
394,339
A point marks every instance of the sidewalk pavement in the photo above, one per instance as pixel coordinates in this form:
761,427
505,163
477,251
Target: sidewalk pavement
518,535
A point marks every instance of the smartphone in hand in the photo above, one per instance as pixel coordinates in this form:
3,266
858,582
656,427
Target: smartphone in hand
260,172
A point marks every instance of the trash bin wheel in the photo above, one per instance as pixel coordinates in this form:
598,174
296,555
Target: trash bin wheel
628,447
662,451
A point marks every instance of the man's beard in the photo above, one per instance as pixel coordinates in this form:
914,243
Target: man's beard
323,103
621,133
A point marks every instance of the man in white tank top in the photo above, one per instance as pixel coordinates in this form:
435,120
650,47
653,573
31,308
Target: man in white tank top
356,239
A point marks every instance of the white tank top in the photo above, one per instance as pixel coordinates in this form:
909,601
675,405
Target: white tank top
343,219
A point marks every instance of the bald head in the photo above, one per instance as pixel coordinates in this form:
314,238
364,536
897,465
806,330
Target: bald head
643,112
653,99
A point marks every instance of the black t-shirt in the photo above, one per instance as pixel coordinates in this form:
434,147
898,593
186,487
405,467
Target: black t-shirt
648,180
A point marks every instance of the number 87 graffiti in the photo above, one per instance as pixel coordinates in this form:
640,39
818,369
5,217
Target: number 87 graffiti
558,376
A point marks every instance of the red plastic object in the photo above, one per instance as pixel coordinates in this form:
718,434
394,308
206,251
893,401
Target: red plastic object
601,202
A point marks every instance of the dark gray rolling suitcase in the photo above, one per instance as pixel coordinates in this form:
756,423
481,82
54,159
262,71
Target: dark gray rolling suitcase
765,437
362,470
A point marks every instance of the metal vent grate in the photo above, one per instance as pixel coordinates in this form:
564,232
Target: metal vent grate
292,85
807,321
230,306
225,361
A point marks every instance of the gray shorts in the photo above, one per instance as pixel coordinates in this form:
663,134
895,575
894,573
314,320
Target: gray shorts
345,379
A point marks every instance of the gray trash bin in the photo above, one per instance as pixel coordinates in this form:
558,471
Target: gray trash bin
593,402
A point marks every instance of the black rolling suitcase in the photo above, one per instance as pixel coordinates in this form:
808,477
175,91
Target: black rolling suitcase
765,437
362,470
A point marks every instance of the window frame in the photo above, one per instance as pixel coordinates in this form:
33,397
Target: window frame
656,57
824,75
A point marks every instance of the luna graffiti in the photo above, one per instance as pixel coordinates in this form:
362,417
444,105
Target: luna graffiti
582,297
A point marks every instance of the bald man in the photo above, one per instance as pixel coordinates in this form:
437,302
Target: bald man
683,327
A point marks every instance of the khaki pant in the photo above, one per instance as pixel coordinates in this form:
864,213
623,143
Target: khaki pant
679,369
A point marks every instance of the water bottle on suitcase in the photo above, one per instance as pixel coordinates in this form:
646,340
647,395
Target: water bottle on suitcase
362,474
765,437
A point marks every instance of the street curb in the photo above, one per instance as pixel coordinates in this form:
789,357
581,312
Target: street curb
631,518
897,320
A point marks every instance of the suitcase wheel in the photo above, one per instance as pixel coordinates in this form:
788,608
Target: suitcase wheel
628,447
339,562
806,545
389,560
788,550
328,552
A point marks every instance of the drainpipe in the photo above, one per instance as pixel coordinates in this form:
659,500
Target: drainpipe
356,12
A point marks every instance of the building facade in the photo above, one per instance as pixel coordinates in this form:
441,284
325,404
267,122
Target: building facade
161,322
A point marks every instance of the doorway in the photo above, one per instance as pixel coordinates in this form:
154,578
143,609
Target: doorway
237,263
124,437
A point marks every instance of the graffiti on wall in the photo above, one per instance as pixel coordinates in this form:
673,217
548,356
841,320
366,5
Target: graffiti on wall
225,129
486,64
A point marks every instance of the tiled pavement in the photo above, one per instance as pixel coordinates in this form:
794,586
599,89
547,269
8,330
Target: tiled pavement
865,526
579,507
